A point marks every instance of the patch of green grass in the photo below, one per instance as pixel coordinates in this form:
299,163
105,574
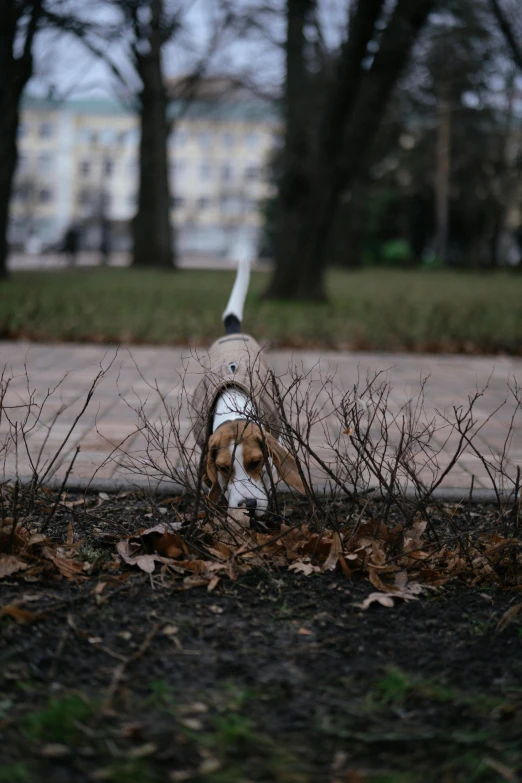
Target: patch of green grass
161,695
57,722
367,309
17,772
233,732
394,686
5,707
242,748
130,771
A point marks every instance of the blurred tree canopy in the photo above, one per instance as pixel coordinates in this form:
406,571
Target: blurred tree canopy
402,123
334,105
438,181
459,80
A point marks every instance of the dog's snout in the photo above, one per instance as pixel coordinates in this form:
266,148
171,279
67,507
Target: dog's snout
249,503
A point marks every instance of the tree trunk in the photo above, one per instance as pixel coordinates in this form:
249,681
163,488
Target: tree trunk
347,238
152,230
9,112
496,232
295,194
14,75
313,184
442,177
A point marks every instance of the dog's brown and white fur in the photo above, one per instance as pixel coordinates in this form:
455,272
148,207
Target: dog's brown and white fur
244,460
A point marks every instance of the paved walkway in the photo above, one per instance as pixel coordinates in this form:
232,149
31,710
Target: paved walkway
19,262
140,378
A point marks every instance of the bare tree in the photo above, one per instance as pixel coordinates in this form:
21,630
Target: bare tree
152,27
19,21
322,159
507,15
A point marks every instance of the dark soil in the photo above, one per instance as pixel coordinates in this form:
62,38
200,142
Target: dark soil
275,677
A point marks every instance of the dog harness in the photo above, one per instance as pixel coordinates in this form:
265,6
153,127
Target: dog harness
237,361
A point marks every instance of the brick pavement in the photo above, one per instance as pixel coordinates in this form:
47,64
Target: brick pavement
108,433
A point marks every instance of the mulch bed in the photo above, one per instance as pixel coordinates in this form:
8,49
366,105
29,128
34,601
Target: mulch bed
274,676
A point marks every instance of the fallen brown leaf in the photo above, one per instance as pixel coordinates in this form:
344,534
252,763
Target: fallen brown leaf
508,618
335,550
505,772
70,569
72,503
169,630
54,750
141,751
304,568
213,583
20,615
194,724
385,599
9,564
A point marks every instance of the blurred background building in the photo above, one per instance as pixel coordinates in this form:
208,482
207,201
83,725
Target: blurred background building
79,166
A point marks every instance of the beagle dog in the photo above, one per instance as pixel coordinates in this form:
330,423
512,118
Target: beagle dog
236,421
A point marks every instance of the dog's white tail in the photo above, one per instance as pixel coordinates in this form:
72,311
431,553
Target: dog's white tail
233,314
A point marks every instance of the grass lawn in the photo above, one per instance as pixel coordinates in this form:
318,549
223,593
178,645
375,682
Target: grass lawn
367,310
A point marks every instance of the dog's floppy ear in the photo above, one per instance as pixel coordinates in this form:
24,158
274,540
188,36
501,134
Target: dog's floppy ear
285,463
210,476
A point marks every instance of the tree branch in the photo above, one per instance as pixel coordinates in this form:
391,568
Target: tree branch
507,30
362,22
81,31
36,14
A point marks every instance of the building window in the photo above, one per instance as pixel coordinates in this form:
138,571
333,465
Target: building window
252,140
229,140
23,162
226,172
204,202
252,173
45,196
46,130
22,193
85,168
45,163
252,205
85,197
205,171
180,138
230,205
108,166
22,130
179,168
108,136
178,202
204,140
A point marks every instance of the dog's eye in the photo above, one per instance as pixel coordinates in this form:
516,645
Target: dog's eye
255,464
224,469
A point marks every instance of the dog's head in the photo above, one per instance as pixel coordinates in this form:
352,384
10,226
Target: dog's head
240,456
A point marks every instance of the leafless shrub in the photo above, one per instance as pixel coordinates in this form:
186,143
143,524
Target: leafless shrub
370,458
357,449
39,439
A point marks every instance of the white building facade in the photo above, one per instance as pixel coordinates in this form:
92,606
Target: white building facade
79,166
